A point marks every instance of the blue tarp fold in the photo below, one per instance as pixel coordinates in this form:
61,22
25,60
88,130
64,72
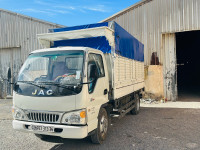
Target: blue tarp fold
99,43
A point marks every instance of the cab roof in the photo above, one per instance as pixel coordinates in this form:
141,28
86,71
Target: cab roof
64,49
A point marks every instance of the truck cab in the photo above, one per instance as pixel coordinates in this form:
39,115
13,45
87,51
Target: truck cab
64,87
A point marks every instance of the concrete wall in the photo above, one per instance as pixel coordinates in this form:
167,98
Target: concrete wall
154,80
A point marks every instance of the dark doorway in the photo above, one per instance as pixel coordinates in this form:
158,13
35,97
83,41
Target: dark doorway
188,65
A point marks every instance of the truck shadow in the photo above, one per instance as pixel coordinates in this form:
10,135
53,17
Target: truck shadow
70,144
65,144
152,128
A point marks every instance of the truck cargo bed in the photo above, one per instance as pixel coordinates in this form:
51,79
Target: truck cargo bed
124,53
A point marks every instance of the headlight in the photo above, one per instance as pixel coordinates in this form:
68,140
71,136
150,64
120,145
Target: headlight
75,117
18,114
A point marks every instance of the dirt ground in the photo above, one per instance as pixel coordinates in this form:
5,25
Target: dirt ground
153,128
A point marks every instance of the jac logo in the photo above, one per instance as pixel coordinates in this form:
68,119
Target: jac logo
42,92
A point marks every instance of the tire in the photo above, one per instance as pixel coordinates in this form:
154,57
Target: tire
136,110
102,128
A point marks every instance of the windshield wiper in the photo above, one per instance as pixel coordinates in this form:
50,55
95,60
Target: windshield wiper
61,86
50,83
56,83
32,83
67,87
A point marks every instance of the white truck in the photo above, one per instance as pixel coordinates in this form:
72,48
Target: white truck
83,76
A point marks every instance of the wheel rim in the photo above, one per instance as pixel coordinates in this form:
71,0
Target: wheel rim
103,125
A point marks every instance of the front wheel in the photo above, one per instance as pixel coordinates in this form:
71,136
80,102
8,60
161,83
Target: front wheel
136,109
101,132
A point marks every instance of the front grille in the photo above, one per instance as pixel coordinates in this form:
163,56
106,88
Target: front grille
43,117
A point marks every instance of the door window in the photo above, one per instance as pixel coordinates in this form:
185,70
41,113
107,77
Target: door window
95,70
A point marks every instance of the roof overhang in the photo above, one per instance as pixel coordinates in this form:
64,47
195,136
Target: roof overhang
46,38
142,2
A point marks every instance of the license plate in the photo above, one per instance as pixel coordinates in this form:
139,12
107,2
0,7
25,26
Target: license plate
42,128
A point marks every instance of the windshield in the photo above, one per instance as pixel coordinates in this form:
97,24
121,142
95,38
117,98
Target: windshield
59,67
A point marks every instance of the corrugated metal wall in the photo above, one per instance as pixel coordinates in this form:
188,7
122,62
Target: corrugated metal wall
18,39
20,31
154,23
150,18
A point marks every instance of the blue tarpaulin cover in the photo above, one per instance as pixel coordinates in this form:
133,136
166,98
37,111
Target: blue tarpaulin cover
125,44
87,26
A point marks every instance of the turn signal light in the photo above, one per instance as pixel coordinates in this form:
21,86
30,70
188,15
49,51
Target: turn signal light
82,114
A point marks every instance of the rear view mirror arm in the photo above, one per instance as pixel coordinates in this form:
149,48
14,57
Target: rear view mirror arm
88,82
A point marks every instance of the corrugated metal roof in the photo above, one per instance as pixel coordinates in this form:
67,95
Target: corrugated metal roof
142,2
31,18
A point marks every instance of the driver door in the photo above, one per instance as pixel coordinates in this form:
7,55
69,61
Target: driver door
97,89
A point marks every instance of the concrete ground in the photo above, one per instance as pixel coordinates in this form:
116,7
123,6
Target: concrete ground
177,104
154,128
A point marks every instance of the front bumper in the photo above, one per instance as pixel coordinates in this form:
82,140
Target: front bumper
73,132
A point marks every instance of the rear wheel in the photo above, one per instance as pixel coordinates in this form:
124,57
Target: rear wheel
136,110
101,132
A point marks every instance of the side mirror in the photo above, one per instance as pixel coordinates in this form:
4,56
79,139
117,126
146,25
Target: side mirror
92,71
8,73
92,76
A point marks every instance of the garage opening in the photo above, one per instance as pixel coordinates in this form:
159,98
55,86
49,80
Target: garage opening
188,65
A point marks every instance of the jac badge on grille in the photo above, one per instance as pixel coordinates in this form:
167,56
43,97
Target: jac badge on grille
42,92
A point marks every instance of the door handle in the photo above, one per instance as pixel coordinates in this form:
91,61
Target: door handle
105,91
